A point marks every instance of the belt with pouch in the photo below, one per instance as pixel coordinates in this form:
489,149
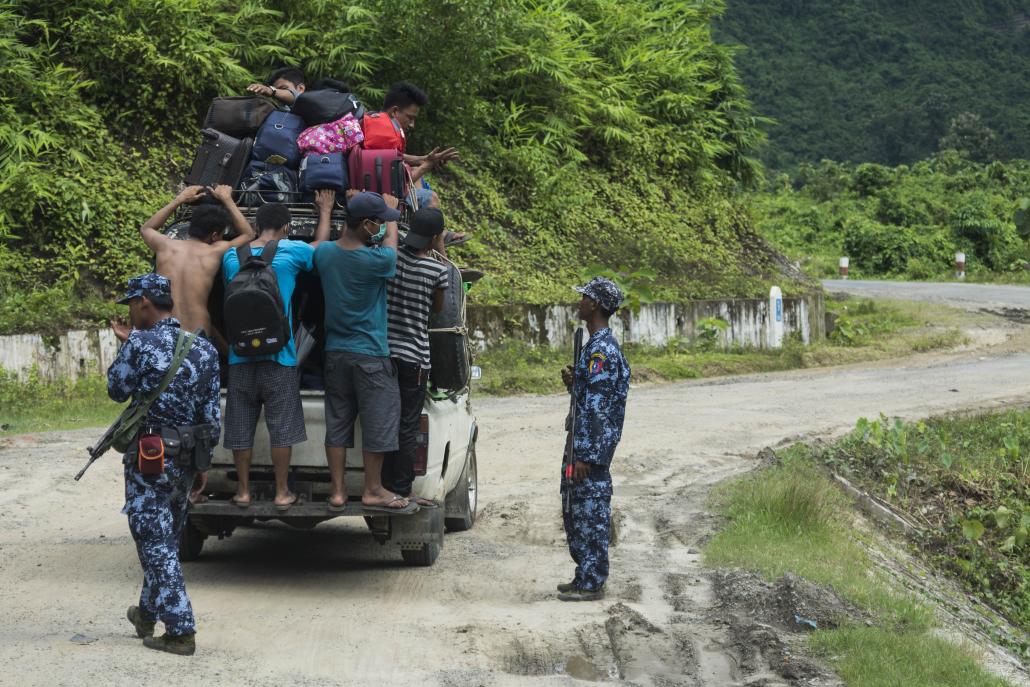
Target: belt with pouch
190,445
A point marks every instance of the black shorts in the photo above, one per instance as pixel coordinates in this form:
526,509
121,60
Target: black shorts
276,388
362,385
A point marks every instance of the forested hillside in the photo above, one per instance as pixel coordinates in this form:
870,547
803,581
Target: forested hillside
591,131
881,80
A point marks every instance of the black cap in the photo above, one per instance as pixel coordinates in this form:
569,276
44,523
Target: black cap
425,225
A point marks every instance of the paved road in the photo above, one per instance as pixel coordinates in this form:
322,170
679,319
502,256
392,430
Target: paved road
993,297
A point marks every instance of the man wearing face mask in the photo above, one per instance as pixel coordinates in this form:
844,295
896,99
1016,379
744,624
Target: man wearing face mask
359,375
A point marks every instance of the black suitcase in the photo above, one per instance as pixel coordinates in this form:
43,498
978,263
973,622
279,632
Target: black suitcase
220,159
449,353
239,115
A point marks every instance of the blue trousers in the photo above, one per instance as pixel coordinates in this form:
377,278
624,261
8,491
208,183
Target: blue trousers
156,506
587,529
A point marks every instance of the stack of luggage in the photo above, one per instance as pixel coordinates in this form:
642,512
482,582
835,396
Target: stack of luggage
277,155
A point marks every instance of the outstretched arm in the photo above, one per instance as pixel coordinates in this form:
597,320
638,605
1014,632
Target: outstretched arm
281,94
437,157
325,199
151,229
239,222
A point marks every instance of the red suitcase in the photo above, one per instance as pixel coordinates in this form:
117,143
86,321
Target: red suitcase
381,171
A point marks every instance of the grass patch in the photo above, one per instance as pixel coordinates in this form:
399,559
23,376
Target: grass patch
875,330
790,518
38,405
870,657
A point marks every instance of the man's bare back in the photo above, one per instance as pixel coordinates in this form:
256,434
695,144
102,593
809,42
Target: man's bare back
191,265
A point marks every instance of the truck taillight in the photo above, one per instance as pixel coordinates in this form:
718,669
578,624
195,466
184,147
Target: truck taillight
422,446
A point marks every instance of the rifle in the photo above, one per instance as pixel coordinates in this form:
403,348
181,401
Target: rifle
568,460
123,431
100,448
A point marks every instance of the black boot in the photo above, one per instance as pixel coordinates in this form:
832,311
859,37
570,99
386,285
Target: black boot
183,645
144,627
582,595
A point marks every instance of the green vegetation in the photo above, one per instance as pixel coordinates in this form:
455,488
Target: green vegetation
874,330
38,405
790,518
902,222
881,81
592,131
966,481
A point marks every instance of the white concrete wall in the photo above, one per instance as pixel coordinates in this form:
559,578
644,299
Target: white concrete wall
73,354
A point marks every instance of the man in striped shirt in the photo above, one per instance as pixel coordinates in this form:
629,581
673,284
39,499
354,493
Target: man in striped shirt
417,287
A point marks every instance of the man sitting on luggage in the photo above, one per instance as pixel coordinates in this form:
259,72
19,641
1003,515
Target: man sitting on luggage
283,84
358,370
418,286
271,381
387,130
191,265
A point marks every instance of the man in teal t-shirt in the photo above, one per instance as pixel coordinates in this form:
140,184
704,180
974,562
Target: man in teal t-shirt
271,381
358,371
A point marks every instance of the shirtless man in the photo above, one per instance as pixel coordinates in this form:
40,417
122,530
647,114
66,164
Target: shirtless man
191,265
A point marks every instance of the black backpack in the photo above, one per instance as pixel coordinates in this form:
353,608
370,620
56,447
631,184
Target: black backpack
255,317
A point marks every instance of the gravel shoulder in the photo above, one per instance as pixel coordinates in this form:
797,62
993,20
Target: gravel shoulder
327,606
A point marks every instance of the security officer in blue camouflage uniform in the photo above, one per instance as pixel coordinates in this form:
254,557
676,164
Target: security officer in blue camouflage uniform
156,504
602,384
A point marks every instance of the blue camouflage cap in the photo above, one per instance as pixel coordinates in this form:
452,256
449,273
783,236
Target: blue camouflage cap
604,291
154,287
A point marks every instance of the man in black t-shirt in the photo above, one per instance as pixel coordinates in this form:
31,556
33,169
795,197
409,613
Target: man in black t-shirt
417,287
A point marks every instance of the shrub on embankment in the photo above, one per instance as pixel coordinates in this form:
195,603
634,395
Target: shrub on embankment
591,131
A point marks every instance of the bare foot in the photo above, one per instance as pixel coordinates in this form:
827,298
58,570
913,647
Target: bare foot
337,501
241,500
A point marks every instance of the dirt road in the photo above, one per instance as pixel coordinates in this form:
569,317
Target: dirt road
998,298
326,607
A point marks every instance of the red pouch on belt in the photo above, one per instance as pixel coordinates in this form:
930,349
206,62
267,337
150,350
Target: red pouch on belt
151,455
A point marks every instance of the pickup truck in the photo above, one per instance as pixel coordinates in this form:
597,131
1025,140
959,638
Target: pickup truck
445,465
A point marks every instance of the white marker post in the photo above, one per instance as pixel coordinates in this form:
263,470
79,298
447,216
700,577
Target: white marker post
843,267
775,317
960,265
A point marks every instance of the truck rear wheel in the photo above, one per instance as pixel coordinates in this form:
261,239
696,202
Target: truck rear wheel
191,542
461,503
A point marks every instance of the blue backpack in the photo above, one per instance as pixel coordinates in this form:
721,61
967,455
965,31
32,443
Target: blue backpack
278,136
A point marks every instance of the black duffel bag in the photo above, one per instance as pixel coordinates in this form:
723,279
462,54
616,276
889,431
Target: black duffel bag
327,105
239,116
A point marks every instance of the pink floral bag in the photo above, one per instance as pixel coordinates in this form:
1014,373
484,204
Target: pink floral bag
332,137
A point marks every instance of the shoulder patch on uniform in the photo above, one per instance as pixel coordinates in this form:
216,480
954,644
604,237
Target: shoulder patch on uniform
596,365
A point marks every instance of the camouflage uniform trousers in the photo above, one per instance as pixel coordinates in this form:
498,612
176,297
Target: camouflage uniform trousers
156,506
587,529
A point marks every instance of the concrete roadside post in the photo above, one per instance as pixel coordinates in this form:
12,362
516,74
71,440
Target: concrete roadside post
843,267
960,265
775,317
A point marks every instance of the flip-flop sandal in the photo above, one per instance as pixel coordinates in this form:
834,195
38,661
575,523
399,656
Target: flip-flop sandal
411,507
336,508
240,504
283,507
